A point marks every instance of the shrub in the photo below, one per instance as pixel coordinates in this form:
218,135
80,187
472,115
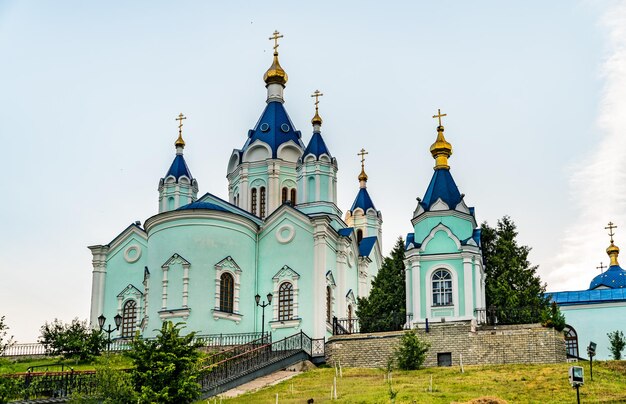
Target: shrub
112,385
411,352
74,340
5,343
617,344
553,318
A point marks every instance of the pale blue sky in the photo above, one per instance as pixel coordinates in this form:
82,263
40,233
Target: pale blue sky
89,93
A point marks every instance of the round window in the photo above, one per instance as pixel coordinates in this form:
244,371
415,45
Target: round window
265,127
284,127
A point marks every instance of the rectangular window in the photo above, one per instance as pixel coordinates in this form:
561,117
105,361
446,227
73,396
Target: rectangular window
444,359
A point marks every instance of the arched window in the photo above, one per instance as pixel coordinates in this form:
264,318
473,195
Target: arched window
442,288
227,292
285,301
129,319
253,201
571,341
170,203
262,200
284,195
329,304
359,236
293,196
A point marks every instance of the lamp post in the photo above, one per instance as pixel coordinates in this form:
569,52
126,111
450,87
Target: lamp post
109,330
257,298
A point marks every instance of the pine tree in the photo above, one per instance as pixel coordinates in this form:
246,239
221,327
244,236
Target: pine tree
512,284
384,309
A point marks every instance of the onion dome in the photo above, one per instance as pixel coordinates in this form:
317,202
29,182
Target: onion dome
615,276
275,74
179,166
441,150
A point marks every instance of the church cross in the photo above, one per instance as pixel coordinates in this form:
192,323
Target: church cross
275,37
180,122
439,115
601,267
610,228
317,96
362,153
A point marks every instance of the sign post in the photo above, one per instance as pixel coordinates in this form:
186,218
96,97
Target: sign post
591,351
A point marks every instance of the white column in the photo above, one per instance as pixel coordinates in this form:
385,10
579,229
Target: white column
407,287
468,289
416,287
317,183
98,281
319,281
185,284
244,190
164,290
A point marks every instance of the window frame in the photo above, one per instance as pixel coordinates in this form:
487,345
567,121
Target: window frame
443,294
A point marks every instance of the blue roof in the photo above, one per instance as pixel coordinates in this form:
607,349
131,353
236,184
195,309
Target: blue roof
366,245
613,278
442,186
179,168
410,238
362,201
274,128
587,296
346,232
202,205
316,146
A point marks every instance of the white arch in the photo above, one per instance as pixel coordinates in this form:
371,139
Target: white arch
431,235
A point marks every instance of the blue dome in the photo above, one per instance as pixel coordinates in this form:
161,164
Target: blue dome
613,278
179,168
316,146
362,201
202,205
442,186
274,128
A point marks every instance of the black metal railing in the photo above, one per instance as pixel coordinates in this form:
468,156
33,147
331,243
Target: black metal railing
247,362
236,350
343,326
507,316
39,385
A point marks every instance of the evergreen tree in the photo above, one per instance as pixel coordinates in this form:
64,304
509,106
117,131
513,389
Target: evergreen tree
385,308
512,284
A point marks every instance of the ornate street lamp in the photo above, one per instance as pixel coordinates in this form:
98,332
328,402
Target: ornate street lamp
257,298
109,330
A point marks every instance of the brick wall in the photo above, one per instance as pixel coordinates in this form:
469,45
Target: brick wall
528,343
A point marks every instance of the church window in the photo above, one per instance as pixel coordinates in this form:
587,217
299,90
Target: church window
293,196
285,302
329,304
359,236
311,197
227,292
262,200
170,203
442,288
129,319
253,201
284,195
571,341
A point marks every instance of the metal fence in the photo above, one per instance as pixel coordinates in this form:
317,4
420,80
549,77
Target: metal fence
506,316
50,385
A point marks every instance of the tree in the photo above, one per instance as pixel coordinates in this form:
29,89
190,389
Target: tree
5,343
385,307
617,342
73,340
512,284
411,352
167,367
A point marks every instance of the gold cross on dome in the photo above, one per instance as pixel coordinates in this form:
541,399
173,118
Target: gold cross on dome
610,228
601,267
180,122
362,153
275,37
317,96
439,115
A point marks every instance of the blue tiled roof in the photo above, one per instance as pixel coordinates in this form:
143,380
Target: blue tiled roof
316,146
366,245
202,205
274,128
179,168
362,201
442,186
614,278
587,296
410,239
346,232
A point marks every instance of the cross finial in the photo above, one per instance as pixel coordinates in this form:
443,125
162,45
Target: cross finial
601,267
180,123
362,153
317,94
439,115
610,228
275,36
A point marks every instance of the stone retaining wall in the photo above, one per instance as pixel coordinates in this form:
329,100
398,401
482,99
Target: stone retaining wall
528,343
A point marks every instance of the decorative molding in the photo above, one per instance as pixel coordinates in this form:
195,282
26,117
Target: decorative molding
285,233
330,279
439,205
217,315
433,232
286,273
136,249
293,323
227,265
174,313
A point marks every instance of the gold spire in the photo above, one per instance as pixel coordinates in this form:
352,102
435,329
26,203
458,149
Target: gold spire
362,176
180,142
275,74
441,149
317,119
612,250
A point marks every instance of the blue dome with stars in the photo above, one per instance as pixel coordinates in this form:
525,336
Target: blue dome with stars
612,278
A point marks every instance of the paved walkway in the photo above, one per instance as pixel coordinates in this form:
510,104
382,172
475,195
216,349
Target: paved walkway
260,382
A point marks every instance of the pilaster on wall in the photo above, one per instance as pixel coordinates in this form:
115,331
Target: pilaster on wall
98,282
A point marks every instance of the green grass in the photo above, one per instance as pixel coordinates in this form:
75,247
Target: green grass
21,365
513,383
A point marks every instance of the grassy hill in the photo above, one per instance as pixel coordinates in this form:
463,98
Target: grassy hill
512,383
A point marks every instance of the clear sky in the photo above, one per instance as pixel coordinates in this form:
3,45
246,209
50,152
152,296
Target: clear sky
535,93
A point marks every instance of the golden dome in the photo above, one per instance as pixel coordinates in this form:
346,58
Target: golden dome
317,119
180,142
275,74
362,176
613,252
441,150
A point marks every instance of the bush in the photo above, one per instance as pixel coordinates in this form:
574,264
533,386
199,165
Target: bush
74,340
113,386
553,318
411,353
5,343
617,342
